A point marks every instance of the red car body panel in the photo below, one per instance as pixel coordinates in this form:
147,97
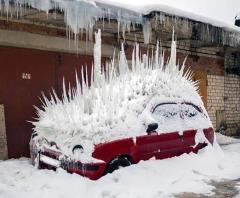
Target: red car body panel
108,151
144,147
209,134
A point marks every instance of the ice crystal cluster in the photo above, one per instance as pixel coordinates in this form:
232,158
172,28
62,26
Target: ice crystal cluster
119,100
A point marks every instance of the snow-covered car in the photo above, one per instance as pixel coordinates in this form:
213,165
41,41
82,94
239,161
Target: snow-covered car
111,155
149,111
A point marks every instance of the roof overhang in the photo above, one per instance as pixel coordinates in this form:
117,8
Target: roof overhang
85,16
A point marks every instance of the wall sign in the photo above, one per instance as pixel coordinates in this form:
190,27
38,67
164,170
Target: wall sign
26,76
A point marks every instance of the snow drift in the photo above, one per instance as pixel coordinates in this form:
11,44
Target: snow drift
151,179
119,101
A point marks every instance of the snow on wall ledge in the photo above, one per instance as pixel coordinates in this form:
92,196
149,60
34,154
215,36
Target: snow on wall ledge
81,15
118,103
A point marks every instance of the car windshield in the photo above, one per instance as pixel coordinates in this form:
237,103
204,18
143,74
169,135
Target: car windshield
179,116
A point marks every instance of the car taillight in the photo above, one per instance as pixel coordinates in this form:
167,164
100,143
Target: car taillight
209,134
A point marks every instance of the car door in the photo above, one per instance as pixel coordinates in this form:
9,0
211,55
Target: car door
181,118
170,140
161,144
169,144
194,121
146,146
177,127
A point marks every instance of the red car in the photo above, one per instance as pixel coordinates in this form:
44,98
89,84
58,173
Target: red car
109,156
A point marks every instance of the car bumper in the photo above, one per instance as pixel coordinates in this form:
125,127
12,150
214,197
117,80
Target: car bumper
53,161
44,159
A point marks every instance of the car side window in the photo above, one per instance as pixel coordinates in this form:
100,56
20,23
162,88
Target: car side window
178,116
169,111
188,111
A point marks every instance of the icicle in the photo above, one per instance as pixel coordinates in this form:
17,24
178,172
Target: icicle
97,56
123,31
103,18
119,24
78,86
109,15
133,59
183,66
137,58
6,5
156,20
145,61
83,82
128,26
112,67
123,65
173,56
65,96
162,61
147,32
157,55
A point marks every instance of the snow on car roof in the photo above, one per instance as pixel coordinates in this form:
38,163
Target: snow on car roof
118,103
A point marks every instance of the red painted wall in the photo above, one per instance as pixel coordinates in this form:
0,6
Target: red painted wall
19,95
47,70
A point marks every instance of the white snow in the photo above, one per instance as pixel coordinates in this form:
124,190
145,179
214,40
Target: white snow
238,16
147,32
205,11
118,104
81,15
97,57
223,139
49,161
154,178
200,138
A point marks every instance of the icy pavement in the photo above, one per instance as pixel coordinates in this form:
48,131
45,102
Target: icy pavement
212,172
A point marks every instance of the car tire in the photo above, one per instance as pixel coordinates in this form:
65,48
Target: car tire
37,162
117,163
77,147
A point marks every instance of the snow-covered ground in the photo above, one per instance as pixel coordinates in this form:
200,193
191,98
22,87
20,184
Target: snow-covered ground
224,140
154,178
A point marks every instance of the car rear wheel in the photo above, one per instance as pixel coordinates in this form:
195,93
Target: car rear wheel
117,163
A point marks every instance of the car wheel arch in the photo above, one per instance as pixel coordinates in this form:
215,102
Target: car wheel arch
118,158
127,156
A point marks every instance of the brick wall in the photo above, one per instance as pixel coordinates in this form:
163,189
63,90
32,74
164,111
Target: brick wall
215,92
224,101
232,103
3,139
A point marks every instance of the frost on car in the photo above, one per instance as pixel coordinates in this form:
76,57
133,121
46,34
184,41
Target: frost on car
128,113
